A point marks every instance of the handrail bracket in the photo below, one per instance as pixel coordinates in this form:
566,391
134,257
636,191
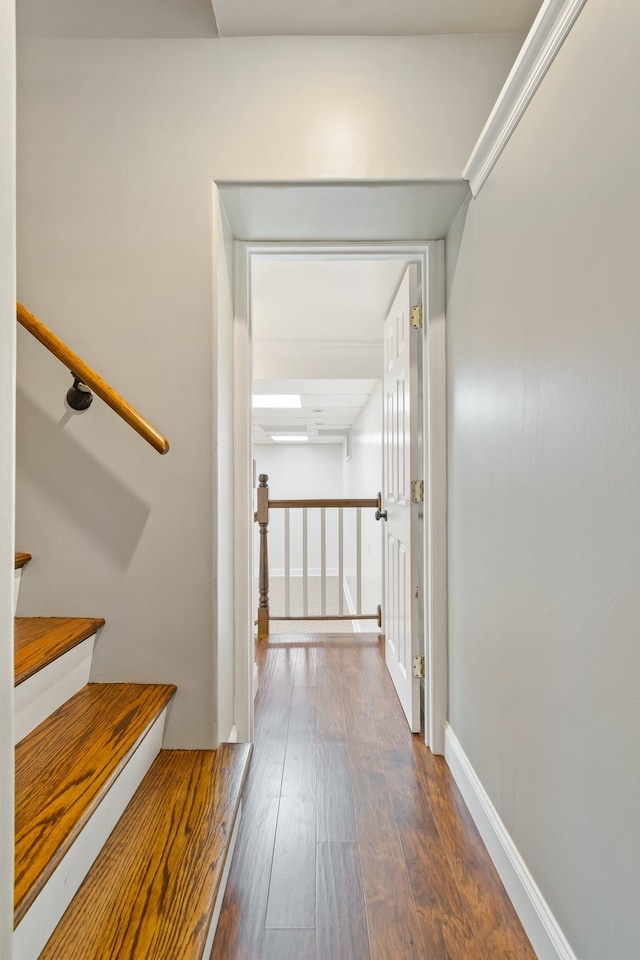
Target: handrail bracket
79,396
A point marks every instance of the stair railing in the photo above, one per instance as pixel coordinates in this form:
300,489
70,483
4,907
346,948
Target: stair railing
85,380
264,505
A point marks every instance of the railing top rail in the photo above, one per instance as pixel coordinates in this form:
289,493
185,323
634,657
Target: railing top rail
86,375
331,502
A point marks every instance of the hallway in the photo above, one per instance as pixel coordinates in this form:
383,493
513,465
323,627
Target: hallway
355,843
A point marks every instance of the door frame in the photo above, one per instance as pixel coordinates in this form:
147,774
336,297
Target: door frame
430,256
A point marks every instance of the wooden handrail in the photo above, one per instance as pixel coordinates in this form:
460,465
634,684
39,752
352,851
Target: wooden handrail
86,375
290,504
330,616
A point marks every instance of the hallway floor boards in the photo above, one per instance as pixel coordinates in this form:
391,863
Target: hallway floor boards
355,843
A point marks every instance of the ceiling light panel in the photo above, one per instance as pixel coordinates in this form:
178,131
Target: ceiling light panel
276,401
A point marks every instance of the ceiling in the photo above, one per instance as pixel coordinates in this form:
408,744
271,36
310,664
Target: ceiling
116,19
181,19
327,308
244,18
322,301
329,409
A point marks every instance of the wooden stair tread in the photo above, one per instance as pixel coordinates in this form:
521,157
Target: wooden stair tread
41,640
65,767
21,559
153,888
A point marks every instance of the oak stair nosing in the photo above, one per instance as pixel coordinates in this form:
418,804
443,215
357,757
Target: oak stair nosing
153,889
20,560
38,641
66,766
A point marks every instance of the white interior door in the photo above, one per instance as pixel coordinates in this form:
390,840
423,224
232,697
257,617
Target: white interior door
400,449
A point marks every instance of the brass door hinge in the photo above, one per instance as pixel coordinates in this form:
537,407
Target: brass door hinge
417,491
418,668
416,318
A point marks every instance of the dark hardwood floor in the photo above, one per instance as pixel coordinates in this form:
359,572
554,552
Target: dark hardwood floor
355,842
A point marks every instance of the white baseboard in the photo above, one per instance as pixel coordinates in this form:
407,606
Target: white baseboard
542,928
233,734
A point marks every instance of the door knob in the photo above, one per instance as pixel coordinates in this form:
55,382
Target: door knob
380,513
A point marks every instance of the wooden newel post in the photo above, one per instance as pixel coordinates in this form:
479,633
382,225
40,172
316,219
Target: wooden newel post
262,516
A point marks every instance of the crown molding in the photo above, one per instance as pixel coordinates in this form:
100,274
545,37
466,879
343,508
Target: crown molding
550,28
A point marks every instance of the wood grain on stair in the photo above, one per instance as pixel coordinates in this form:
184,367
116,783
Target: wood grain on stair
151,892
65,767
21,559
41,640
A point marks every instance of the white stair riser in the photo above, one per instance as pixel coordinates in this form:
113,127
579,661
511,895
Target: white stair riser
39,922
37,697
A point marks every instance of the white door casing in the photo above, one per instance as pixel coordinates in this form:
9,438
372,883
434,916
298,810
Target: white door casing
430,257
401,540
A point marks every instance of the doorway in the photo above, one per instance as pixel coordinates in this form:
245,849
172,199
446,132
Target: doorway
318,358
430,259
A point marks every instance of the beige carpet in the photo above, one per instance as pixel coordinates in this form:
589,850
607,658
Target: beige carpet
277,607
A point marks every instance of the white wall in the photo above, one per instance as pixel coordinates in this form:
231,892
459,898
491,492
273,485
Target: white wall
363,478
270,109
7,459
298,471
119,142
544,441
301,469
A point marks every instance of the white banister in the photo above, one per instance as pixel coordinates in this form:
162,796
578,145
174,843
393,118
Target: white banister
359,562
305,563
323,561
341,560
287,563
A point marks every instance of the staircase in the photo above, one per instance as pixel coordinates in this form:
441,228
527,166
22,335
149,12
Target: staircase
122,848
